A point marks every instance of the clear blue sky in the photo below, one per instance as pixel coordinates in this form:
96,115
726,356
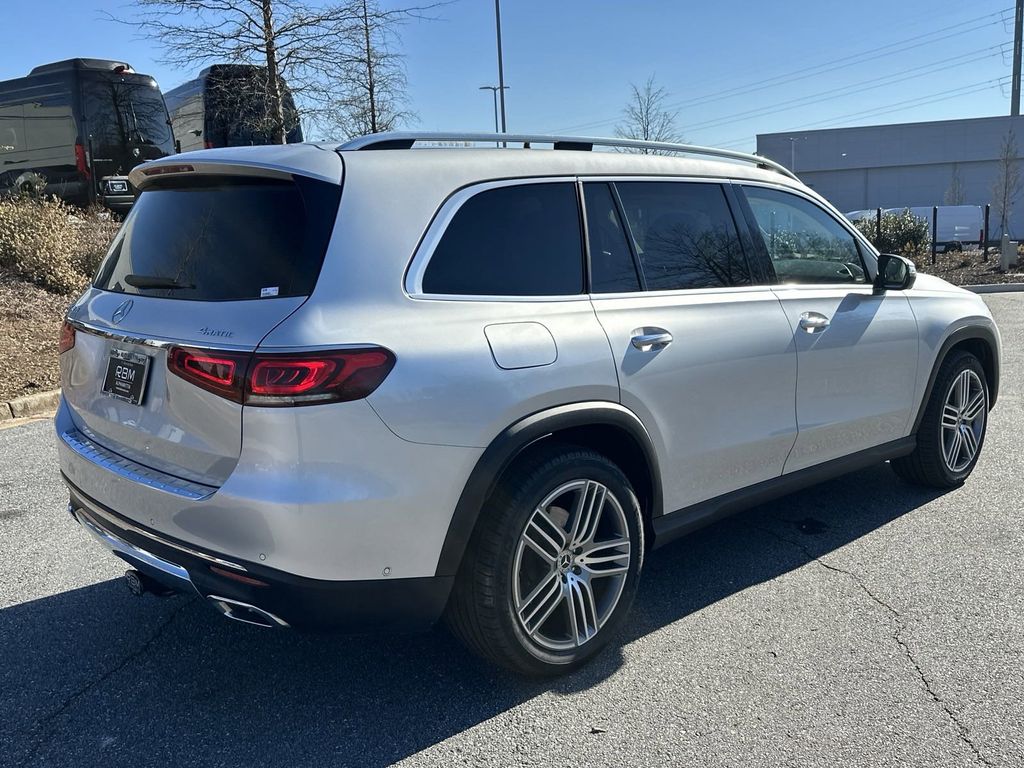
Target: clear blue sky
735,69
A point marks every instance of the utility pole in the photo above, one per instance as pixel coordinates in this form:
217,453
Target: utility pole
1018,28
501,70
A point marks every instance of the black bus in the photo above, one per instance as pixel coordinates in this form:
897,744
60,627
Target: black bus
227,106
81,125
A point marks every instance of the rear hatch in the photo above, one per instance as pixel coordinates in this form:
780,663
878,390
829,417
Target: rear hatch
208,262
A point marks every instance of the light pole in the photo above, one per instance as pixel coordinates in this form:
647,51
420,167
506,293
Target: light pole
501,70
494,89
792,154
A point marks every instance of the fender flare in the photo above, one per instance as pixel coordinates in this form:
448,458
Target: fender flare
980,332
512,441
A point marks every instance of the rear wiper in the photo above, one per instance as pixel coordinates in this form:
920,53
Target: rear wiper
152,281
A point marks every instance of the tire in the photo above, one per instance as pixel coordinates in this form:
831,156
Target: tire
930,464
519,604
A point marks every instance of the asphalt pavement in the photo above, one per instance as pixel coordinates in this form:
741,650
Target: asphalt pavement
864,622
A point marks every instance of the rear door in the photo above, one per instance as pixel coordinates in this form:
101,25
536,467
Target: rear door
704,357
857,352
207,263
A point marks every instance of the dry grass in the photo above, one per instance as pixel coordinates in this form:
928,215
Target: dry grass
29,324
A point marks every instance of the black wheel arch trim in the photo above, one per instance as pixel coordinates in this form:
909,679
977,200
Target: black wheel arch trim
513,440
980,332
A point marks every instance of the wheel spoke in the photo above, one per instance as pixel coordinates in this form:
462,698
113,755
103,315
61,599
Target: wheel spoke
582,610
612,557
975,406
950,417
544,536
963,389
952,449
587,514
541,602
970,443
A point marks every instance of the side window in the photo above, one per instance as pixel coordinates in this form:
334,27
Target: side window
511,241
806,244
611,263
684,233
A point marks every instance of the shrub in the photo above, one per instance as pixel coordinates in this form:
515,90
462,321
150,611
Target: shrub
52,244
902,233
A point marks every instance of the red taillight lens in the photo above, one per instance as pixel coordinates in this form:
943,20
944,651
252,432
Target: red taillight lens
279,380
319,377
222,373
66,340
80,160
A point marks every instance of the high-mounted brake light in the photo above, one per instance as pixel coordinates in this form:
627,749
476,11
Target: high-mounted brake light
66,340
162,169
284,379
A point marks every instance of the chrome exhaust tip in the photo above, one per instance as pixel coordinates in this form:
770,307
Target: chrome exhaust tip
245,613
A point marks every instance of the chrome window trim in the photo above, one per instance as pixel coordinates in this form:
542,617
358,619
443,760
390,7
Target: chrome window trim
125,468
152,341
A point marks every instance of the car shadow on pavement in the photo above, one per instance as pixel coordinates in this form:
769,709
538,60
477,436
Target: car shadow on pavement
94,676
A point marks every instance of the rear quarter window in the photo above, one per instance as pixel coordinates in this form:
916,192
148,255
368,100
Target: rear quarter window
223,238
521,240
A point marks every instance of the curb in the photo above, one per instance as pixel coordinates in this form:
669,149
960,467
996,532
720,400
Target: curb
995,288
40,403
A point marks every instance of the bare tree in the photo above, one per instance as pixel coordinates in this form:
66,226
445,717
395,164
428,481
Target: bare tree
300,44
372,86
955,191
1006,187
647,116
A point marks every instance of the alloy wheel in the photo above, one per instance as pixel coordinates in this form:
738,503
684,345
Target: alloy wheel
570,565
963,420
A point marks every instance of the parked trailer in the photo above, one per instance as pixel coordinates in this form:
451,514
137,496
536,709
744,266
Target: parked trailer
956,224
81,125
226,106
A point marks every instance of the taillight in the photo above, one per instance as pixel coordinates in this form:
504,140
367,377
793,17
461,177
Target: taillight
80,160
222,373
207,144
317,377
285,379
66,340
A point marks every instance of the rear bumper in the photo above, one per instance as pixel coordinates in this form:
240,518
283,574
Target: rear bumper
256,594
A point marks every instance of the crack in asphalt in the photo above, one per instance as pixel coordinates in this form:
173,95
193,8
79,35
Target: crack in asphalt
99,680
962,731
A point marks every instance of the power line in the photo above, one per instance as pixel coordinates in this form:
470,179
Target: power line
853,88
827,66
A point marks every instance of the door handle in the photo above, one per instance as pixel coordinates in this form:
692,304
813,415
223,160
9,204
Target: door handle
814,322
650,339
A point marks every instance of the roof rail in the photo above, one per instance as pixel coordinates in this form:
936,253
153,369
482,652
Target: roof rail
406,140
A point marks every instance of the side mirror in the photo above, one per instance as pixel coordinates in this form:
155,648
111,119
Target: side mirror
895,273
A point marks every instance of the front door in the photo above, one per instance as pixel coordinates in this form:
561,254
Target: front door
856,352
704,358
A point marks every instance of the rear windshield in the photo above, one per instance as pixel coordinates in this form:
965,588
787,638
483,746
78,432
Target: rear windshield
125,111
223,239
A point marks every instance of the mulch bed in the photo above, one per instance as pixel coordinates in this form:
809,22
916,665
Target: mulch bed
968,268
29,325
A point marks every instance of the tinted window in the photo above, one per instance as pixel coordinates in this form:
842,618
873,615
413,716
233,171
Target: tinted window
122,111
511,241
805,243
224,239
611,263
685,235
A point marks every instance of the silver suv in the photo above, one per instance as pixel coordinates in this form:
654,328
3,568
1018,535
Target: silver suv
377,384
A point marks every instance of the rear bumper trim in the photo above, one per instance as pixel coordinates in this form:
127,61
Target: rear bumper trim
92,451
135,555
